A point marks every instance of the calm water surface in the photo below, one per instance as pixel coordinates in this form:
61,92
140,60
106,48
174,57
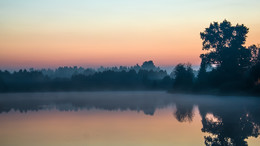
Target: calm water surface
127,119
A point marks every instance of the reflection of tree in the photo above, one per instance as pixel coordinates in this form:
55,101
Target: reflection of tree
226,125
111,101
229,128
227,121
184,113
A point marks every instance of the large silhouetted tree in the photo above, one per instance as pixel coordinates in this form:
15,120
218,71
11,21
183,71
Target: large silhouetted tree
224,45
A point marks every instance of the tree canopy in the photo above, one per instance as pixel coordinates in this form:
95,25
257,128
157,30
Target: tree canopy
183,75
225,48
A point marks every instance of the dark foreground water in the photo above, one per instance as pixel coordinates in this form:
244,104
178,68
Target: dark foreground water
127,119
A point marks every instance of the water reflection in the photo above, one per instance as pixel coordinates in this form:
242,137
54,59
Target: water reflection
231,126
225,120
184,112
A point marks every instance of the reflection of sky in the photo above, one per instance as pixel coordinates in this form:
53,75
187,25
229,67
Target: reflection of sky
117,118
51,33
98,127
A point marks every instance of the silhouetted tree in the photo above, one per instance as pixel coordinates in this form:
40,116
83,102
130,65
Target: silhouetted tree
224,44
202,75
149,65
183,76
255,74
255,54
234,66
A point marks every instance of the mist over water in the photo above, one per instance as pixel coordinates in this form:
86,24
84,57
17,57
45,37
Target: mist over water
127,118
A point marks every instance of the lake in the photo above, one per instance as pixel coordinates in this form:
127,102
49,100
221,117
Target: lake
143,118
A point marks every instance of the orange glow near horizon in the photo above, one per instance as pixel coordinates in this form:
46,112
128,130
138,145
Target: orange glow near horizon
54,51
93,33
123,49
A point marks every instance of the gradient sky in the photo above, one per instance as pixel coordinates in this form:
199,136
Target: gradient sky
51,33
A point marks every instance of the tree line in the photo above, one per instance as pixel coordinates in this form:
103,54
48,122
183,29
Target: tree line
144,77
227,66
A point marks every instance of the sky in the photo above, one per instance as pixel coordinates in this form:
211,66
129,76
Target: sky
91,33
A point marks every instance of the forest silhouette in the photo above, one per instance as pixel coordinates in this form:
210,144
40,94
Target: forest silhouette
227,67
